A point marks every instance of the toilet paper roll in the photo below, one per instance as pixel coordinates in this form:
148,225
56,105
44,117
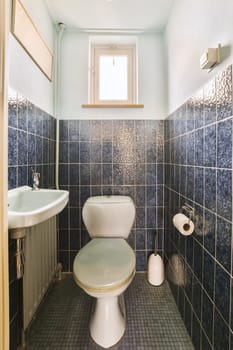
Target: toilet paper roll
183,224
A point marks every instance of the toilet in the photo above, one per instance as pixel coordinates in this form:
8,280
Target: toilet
105,266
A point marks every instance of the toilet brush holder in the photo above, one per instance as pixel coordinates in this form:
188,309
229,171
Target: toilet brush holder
155,273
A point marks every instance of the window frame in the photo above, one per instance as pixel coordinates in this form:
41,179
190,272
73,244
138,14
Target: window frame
110,50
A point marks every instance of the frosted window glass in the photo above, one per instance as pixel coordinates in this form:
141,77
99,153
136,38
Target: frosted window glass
113,78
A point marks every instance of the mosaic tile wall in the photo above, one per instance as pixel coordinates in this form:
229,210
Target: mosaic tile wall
198,168
31,143
112,157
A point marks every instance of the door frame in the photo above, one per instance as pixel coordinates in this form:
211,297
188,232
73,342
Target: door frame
4,278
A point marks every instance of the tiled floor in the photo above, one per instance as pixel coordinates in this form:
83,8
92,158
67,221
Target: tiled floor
153,321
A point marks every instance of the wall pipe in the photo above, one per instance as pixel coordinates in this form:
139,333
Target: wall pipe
57,89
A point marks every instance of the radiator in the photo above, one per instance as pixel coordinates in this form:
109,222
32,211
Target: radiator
40,266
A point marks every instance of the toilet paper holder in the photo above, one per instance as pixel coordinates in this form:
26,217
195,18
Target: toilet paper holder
189,211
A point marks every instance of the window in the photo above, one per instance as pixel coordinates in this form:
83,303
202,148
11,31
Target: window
113,75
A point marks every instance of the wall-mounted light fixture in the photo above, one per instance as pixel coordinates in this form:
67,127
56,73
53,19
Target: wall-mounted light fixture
210,58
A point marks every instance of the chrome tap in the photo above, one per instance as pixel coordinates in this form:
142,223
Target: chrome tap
35,180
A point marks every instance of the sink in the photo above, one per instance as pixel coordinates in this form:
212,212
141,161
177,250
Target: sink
28,207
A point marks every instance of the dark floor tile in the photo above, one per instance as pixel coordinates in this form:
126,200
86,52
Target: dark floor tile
63,320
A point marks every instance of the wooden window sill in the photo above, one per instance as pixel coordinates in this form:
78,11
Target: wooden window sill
112,105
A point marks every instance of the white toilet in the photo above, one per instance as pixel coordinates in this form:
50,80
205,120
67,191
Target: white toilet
105,267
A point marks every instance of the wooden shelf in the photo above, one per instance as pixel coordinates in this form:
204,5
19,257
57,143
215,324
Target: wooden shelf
112,105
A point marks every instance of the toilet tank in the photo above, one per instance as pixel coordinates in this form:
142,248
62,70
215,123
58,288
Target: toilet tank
109,216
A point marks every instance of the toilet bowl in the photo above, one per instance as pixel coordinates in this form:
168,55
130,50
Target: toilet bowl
105,266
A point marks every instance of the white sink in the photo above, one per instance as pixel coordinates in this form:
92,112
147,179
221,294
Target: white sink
27,207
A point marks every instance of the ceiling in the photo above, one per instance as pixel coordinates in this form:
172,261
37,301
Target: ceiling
145,15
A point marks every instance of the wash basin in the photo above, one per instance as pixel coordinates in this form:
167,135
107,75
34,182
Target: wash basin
28,207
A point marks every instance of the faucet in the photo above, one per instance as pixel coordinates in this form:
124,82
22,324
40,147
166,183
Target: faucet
35,180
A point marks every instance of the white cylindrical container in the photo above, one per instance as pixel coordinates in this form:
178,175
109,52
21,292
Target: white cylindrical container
156,273
183,224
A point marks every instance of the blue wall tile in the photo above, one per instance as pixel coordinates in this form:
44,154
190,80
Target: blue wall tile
210,189
12,108
73,130
75,238
73,171
140,260
25,148
39,150
207,253
107,152
210,102
12,146
140,239
22,113
32,118
85,174
196,332
72,152
63,130
197,297
85,152
222,292
39,122
210,146
199,147
112,160
63,152
199,185
207,315
224,93
223,243
95,174
224,144
224,193
221,332
96,152
209,231
190,149
63,240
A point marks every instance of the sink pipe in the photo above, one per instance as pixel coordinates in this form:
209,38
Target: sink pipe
60,27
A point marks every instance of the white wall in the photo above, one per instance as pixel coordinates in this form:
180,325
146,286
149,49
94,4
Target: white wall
195,25
24,76
74,80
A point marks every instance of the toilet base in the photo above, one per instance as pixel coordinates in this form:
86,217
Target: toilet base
108,321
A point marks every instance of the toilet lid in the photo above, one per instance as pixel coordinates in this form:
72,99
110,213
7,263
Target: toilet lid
104,263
